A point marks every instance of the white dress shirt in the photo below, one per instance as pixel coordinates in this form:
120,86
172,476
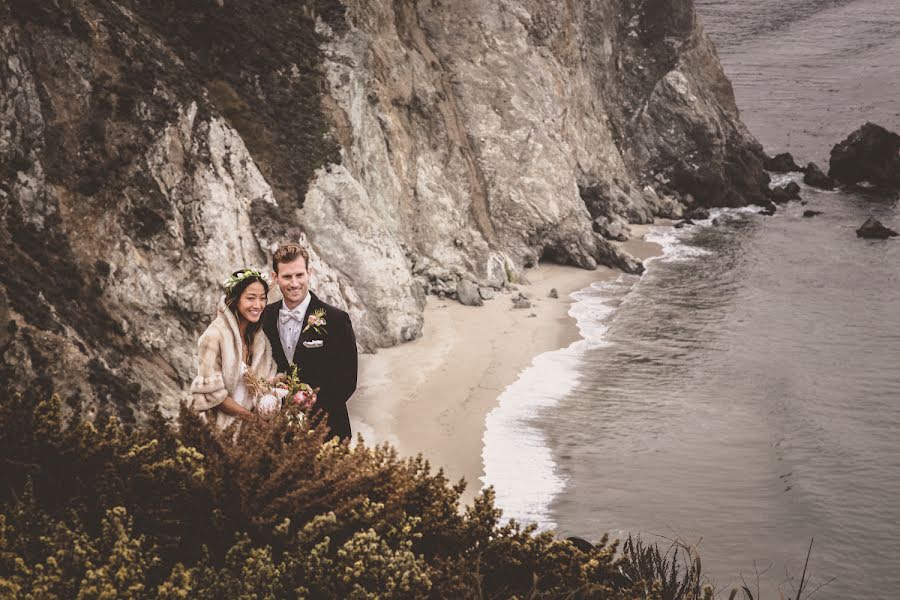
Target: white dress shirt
289,329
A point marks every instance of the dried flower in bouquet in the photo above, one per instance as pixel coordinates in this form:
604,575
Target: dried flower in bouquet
267,395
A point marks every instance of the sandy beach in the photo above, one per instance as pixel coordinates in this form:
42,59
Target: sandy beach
431,395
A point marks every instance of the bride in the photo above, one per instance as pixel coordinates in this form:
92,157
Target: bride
230,347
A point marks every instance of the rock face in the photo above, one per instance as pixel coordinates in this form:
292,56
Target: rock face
149,148
873,229
871,153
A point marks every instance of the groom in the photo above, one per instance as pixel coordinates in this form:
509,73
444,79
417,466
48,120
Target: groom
325,354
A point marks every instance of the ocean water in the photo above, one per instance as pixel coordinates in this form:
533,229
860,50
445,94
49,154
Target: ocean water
743,396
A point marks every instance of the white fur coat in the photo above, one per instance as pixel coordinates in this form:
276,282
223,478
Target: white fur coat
220,365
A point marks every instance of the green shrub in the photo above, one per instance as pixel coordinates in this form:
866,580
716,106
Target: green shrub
90,510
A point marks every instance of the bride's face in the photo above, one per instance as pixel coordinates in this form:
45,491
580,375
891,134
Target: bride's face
252,302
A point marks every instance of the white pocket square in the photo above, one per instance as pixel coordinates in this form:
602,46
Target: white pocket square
313,344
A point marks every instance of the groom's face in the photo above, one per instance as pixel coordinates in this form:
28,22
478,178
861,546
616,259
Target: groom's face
293,280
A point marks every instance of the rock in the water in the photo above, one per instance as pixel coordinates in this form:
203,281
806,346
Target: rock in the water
816,178
871,153
467,293
697,214
793,188
521,301
811,213
873,229
681,224
781,163
768,210
553,293
486,293
781,195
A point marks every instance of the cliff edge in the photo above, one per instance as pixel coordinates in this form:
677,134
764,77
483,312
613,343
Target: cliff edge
149,148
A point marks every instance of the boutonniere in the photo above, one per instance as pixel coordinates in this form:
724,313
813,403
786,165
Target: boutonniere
316,322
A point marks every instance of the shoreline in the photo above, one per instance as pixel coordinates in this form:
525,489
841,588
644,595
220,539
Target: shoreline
432,395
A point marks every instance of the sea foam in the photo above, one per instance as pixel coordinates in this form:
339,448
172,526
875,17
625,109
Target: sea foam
518,461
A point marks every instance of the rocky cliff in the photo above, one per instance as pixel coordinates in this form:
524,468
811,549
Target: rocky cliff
148,148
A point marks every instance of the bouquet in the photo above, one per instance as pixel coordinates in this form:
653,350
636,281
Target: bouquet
286,391
295,392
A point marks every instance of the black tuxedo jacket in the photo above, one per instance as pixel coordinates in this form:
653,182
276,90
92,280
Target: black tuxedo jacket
330,366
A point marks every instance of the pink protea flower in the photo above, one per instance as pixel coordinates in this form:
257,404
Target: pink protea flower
305,399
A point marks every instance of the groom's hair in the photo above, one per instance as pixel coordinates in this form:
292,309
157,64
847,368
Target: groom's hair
289,253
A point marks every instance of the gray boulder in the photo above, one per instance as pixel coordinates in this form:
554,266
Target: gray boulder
486,293
467,293
521,301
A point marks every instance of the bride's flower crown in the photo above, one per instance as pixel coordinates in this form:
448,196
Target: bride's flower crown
242,275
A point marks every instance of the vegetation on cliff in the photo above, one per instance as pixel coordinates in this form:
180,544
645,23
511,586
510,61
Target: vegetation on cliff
92,510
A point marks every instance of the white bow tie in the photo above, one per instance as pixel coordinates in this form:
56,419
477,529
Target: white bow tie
286,315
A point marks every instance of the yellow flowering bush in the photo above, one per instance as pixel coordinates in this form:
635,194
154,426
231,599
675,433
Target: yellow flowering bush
92,510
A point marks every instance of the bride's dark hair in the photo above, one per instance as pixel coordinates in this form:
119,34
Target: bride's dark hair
233,294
